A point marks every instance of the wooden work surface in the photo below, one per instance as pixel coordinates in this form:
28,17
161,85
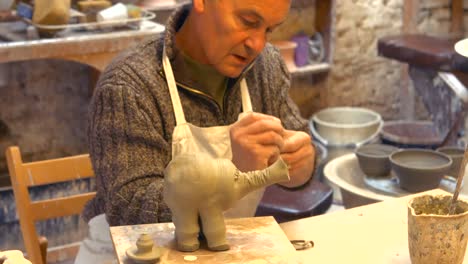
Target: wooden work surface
253,240
372,234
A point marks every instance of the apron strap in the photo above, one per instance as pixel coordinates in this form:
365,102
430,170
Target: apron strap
176,104
246,103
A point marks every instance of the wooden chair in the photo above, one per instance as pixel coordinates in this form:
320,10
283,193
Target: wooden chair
25,175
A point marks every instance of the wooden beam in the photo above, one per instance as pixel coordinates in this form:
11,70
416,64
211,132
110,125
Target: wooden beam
410,16
409,26
325,24
456,26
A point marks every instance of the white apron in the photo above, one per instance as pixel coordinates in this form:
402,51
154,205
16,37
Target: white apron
186,139
213,141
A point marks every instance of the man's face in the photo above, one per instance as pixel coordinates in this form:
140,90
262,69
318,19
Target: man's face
232,33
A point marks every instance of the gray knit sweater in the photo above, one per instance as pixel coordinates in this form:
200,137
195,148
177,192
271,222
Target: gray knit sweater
131,121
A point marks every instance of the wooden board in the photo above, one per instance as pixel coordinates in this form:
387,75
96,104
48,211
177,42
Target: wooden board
253,240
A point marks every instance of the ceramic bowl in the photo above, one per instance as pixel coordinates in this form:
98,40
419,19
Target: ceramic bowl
419,169
456,153
374,159
345,125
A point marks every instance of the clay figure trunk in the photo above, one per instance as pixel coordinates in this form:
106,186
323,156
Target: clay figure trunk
199,186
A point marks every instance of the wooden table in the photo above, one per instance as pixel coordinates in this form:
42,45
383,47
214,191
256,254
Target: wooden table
373,234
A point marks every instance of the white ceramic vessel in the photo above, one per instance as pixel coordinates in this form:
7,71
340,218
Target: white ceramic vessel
341,126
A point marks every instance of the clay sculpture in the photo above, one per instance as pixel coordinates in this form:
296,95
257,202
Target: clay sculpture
144,252
199,186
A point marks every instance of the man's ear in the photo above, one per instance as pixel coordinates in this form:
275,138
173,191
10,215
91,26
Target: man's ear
198,5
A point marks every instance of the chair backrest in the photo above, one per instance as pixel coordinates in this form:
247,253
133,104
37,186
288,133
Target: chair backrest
25,175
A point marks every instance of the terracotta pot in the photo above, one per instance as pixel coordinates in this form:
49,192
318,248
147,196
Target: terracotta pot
148,4
433,235
287,50
6,5
51,12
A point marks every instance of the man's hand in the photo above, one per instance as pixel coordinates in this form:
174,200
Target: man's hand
299,154
256,141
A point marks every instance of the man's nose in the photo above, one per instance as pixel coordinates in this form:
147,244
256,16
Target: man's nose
256,42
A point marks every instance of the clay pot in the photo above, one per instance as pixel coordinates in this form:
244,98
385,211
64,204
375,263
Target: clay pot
433,235
6,5
374,159
144,244
50,13
144,251
419,169
456,154
152,3
287,50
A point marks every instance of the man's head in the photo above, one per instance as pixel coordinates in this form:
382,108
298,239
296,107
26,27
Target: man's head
230,34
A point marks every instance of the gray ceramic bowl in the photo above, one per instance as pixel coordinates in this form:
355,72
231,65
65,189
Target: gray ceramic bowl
456,153
419,169
374,159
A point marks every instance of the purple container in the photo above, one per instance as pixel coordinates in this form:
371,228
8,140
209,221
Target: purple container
24,10
301,55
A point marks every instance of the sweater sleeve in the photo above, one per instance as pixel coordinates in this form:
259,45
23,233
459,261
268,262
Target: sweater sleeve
280,79
129,152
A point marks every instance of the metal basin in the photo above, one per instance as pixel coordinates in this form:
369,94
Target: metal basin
345,173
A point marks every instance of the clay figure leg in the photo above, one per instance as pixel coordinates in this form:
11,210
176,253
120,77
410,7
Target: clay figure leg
214,228
186,227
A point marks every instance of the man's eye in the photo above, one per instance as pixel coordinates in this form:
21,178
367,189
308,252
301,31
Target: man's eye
249,23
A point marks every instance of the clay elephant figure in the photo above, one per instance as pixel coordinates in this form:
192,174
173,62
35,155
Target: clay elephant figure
198,186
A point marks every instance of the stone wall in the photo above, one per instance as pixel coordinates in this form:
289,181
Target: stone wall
360,77
43,110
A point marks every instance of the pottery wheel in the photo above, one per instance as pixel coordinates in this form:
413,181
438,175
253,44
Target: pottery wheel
389,185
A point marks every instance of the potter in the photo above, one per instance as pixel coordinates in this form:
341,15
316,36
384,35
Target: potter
197,185
211,85
200,179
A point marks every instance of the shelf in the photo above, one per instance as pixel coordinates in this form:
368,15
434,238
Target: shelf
310,69
169,6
